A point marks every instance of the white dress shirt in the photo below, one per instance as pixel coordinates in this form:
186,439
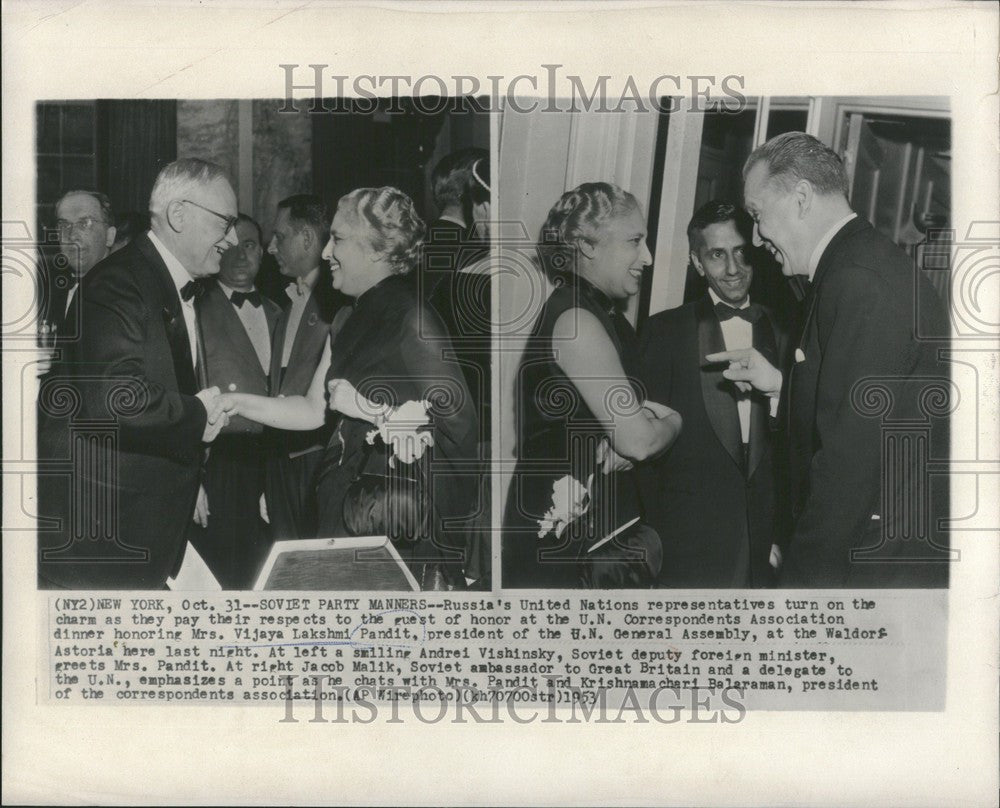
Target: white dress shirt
824,242
180,277
737,333
299,293
255,323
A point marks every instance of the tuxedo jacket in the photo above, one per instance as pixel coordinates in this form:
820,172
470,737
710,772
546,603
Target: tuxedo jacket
716,518
120,415
230,358
859,351
307,349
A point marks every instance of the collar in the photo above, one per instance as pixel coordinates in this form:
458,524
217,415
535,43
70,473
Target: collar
824,242
716,299
178,274
228,290
306,282
452,219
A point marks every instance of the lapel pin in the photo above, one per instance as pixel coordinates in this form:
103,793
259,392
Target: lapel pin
313,319
799,355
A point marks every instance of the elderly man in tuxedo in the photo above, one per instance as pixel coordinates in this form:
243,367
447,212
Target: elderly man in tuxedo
237,325
129,411
300,335
712,497
865,307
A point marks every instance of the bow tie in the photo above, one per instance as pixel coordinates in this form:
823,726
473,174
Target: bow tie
238,298
726,312
192,289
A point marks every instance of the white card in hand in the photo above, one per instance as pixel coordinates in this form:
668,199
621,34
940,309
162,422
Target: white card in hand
194,574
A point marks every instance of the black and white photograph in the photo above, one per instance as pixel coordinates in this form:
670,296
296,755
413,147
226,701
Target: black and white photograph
448,403
264,331
738,379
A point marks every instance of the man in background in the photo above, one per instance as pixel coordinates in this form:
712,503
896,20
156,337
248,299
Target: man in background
300,233
85,223
712,496
237,324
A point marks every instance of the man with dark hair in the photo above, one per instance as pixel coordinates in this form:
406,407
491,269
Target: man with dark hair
712,496
859,324
141,409
237,324
300,233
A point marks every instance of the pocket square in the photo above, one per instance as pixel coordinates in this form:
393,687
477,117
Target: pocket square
799,355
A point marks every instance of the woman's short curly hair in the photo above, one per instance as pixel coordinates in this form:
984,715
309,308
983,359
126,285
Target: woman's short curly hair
395,227
577,216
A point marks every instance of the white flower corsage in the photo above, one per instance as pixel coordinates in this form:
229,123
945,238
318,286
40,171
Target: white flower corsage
400,430
570,500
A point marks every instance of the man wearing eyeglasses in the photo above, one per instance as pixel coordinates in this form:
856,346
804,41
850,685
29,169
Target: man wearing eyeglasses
84,223
137,376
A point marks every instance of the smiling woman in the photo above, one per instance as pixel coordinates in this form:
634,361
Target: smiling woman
405,424
582,418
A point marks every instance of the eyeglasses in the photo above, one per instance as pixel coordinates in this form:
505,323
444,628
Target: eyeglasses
229,220
84,225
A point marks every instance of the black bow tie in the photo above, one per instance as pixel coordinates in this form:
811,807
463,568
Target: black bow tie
192,289
238,298
725,312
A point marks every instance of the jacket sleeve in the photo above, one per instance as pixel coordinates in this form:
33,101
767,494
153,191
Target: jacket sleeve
115,340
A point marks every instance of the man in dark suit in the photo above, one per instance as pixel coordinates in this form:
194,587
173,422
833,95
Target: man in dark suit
300,233
865,304
237,325
712,497
129,410
85,223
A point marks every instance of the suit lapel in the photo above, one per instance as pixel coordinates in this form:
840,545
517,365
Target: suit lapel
856,225
216,300
763,341
717,391
173,318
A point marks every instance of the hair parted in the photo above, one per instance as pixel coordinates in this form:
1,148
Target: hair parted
577,216
307,210
716,211
395,228
794,156
107,211
177,179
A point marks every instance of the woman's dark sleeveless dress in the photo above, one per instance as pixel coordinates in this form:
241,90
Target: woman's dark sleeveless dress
558,435
394,349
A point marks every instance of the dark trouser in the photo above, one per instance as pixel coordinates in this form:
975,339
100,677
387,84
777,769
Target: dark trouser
290,486
235,543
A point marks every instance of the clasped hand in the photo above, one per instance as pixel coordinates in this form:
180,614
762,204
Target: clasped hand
345,399
220,409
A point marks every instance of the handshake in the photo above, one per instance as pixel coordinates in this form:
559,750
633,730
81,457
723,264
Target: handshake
220,408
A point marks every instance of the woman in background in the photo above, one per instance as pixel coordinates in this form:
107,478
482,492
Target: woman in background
582,420
406,424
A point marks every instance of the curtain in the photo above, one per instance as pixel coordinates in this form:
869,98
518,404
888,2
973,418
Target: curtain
135,139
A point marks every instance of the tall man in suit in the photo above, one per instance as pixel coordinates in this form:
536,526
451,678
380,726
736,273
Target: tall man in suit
860,322
237,324
300,233
712,497
130,408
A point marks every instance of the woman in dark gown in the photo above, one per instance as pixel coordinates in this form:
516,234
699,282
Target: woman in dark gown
407,473
582,419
